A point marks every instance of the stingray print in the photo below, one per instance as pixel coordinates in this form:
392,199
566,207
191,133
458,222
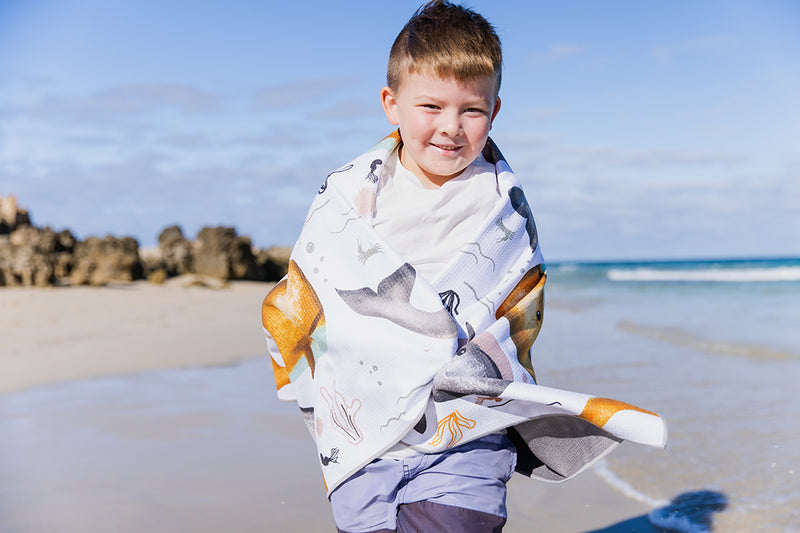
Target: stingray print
392,301
521,206
292,313
325,183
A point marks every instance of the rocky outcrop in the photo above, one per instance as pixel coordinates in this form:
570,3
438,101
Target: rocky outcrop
220,253
274,262
31,256
175,251
102,261
11,215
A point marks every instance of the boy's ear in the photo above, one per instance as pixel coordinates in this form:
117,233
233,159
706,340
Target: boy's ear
495,111
389,103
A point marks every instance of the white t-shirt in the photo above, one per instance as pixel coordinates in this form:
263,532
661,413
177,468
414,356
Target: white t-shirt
427,227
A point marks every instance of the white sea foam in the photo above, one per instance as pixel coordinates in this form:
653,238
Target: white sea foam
789,273
602,470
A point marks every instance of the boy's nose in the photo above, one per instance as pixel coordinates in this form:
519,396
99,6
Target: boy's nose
449,124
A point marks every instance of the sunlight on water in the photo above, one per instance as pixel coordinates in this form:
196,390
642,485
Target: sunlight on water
712,347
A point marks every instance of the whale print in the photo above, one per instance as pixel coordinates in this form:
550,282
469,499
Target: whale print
392,301
469,371
441,382
520,205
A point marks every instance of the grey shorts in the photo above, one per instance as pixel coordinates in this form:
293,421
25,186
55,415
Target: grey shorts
471,477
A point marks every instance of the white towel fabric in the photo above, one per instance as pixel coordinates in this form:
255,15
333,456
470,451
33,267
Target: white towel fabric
426,227
373,354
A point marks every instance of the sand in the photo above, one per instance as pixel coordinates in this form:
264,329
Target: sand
58,334
145,448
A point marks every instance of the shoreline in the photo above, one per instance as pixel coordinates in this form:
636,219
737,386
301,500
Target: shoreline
60,339
65,333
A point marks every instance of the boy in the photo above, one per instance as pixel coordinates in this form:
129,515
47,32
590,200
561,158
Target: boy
415,291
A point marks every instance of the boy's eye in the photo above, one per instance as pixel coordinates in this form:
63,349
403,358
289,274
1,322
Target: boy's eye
475,110
430,106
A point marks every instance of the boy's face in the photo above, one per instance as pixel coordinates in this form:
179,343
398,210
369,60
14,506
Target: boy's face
444,123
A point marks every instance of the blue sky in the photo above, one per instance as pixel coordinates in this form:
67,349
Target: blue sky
638,129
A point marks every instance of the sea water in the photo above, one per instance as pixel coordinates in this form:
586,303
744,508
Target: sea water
714,347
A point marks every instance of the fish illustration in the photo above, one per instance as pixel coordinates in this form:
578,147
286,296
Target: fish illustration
392,301
524,308
293,314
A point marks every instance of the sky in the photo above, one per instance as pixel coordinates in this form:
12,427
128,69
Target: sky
639,130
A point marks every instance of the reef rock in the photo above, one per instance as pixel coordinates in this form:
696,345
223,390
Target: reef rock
101,261
11,215
219,253
176,251
273,262
31,256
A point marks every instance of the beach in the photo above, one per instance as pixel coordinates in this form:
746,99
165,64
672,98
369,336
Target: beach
136,407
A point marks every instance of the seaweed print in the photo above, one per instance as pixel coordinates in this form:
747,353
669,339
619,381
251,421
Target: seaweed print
372,177
507,233
363,254
453,424
343,414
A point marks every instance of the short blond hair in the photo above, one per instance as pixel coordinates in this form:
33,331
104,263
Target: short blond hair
448,40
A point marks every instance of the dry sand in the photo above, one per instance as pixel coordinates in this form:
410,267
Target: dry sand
101,455
67,333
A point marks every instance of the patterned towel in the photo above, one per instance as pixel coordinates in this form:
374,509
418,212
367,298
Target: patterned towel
374,354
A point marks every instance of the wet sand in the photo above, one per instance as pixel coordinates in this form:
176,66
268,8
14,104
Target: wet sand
180,428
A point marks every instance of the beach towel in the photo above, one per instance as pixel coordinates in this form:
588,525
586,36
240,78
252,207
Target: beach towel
374,354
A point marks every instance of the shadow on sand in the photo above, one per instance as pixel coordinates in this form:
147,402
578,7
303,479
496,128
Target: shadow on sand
690,512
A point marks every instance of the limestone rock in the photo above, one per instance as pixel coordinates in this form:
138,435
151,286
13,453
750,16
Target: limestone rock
31,256
273,262
24,266
101,261
176,251
11,215
219,253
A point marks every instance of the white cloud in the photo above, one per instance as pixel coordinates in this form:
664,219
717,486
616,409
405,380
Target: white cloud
292,93
707,45
557,53
603,157
120,101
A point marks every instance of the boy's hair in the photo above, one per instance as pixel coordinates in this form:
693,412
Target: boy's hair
448,40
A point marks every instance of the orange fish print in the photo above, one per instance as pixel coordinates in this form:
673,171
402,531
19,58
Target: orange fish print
524,308
293,315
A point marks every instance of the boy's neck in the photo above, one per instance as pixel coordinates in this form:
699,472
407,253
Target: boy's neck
426,181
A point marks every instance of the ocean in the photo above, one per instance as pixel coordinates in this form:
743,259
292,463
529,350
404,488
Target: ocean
712,346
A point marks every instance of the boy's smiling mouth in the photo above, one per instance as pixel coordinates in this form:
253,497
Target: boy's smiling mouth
446,148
